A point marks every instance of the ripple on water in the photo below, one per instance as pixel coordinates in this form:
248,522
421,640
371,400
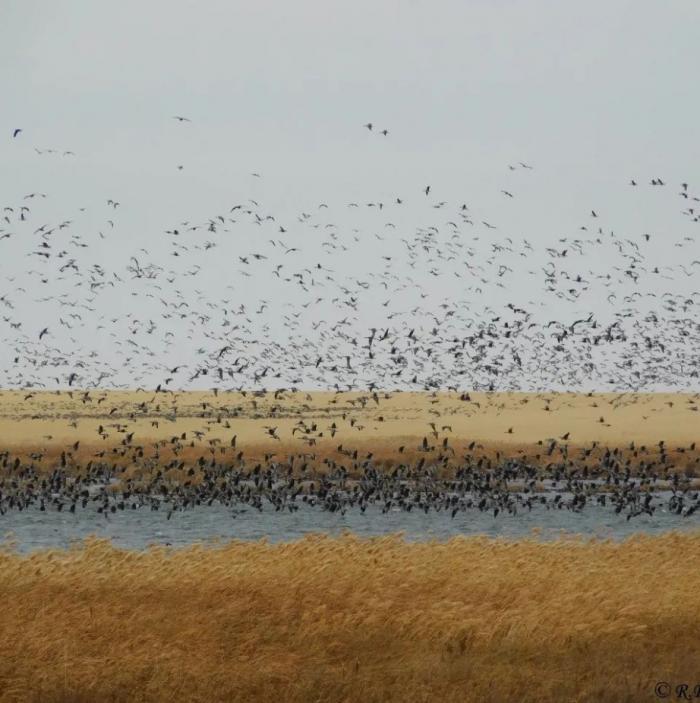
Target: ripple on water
32,529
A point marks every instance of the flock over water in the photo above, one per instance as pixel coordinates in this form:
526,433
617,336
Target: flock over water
310,475
412,292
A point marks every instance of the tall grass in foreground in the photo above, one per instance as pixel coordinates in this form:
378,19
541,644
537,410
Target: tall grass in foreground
348,619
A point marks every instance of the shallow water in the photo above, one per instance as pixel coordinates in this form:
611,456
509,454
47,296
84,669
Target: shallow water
33,529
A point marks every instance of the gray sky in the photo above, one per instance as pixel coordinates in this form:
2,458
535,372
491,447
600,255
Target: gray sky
590,94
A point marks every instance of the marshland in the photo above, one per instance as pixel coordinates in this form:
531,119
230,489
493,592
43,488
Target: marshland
238,566
176,468
349,351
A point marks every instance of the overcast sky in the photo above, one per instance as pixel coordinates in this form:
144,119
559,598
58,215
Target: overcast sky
590,94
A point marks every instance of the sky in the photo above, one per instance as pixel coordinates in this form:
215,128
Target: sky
590,95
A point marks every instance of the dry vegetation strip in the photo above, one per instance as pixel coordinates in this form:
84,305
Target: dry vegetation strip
324,429
346,619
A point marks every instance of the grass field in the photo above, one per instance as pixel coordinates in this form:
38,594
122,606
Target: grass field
350,620
326,425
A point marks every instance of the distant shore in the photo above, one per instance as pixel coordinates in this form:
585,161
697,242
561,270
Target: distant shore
391,426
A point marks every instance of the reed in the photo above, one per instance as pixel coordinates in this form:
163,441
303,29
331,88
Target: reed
348,619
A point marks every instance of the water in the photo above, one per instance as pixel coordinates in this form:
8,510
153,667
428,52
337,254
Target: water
32,529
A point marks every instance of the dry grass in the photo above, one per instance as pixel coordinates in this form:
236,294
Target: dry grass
138,425
26,416
350,620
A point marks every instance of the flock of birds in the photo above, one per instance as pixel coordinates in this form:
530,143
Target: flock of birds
191,470
343,299
346,297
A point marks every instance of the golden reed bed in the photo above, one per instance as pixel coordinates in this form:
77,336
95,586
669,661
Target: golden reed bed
346,619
